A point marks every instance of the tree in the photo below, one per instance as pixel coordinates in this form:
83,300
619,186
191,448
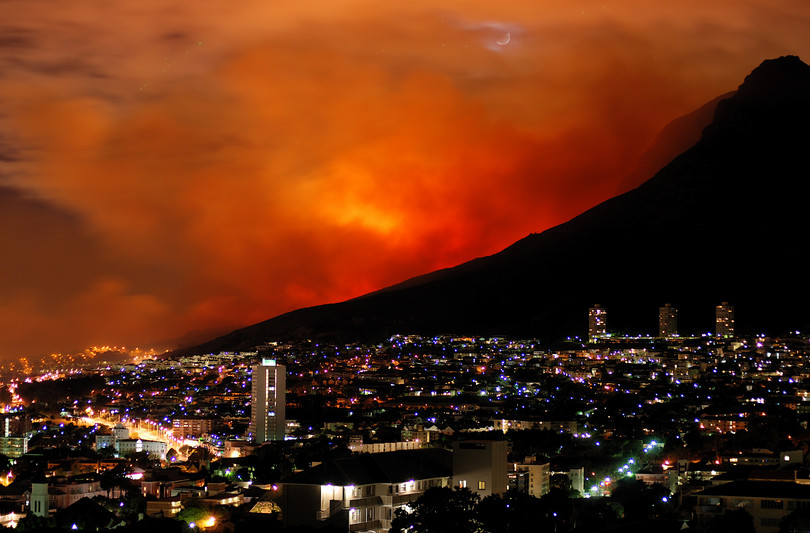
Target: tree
561,483
5,463
439,510
640,500
597,514
142,460
513,512
5,396
134,505
193,515
32,522
798,520
171,455
115,478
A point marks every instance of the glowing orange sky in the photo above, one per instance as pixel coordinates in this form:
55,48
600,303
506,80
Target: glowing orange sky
167,169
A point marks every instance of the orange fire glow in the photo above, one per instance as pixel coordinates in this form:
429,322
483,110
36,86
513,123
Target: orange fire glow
206,167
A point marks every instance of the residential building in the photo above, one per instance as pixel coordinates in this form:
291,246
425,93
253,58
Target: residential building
415,433
15,424
382,447
597,323
120,432
14,446
237,448
577,478
65,492
268,401
530,477
191,427
164,507
568,426
657,475
667,321
105,441
362,492
722,423
170,482
767,501
480,465
724,320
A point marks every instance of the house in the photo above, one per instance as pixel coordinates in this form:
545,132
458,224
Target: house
362,492
164,507
767,501
168,482
658,475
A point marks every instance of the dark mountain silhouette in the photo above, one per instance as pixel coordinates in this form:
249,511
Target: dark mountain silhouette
676,137
726,220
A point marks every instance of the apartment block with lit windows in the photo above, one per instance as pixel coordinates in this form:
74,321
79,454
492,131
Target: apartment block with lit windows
362,492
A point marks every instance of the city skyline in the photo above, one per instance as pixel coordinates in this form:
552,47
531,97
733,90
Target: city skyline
724,324
204,169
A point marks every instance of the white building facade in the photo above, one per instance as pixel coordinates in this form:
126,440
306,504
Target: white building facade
268,401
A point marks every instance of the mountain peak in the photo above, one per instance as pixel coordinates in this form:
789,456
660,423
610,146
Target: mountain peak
776,79
771,107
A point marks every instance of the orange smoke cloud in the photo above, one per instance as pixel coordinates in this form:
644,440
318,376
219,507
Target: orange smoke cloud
220,168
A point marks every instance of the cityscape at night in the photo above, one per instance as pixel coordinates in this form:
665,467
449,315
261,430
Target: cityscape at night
363,267
592,433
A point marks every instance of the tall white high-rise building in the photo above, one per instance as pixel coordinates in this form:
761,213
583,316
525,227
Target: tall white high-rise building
269,396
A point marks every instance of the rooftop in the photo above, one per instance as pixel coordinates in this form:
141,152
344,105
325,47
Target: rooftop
388,467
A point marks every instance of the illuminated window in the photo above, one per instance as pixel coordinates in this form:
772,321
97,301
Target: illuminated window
772,504
482,485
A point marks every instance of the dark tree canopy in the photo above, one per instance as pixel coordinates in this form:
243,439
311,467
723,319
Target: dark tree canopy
60,390
513,512
439,510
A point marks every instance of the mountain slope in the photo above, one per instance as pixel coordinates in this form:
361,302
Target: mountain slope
724,221
676,137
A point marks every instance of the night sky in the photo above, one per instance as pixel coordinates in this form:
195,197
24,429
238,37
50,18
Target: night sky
167,167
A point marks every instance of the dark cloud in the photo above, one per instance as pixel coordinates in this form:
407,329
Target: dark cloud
16,38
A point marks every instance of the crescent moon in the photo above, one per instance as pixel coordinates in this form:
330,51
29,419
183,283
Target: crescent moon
503,41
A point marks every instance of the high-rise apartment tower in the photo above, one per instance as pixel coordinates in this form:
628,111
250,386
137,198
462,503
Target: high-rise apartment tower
597,323
267,416
667,321
724,320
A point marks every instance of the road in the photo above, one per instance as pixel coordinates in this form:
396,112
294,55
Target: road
147,431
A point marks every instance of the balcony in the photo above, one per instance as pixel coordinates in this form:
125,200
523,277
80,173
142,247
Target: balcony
371,524
370,501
